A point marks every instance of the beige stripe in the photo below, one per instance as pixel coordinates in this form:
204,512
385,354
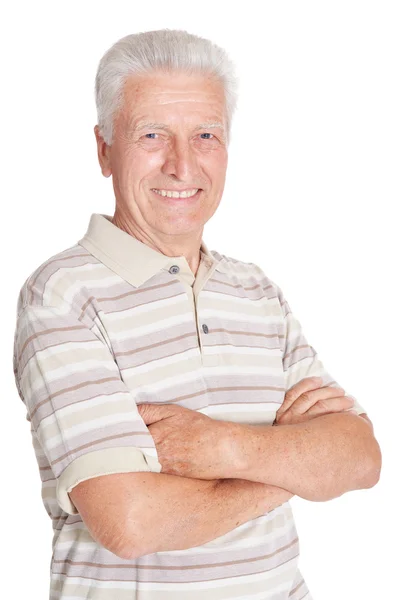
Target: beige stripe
75,402
156,345
136,292
220,389
243,287
183,567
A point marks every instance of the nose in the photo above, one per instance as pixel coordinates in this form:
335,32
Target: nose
181,161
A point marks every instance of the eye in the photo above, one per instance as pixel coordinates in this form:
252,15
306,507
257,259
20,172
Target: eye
147,134
207,138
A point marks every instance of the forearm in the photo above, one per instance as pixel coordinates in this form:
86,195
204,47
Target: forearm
318,459
180,512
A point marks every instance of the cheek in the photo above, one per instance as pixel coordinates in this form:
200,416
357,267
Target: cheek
215,166
134,165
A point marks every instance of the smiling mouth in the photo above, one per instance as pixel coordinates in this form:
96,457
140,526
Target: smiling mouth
189,194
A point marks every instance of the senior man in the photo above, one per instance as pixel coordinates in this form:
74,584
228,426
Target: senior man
153,369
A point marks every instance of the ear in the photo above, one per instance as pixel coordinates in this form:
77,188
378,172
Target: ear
103,153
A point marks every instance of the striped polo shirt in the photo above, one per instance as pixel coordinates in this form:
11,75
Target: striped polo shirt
110,323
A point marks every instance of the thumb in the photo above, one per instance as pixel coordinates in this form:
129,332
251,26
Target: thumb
151,413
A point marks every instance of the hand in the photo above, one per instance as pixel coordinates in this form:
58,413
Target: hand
188,443
307,400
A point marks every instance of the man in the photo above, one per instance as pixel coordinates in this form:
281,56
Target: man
153,369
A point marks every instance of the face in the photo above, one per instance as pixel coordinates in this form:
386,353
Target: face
169,135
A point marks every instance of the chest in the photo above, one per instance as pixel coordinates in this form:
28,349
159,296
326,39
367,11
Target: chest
216,350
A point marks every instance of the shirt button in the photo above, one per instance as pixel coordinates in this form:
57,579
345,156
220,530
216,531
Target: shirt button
205,328
174,269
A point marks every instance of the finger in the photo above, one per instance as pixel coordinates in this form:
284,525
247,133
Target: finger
307,384
330,405
308,399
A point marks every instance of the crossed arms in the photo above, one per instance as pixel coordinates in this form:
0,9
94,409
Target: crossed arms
217,475
214,475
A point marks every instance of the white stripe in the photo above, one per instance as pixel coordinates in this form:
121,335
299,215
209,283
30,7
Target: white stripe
67,290
266,410
264,595
136,331
240,370
216,313
82,406
236,349
159,363
147,308
105,422
314,370
197,375
220,296
165,382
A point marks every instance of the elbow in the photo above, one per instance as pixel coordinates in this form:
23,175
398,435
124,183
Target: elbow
138,538
129,549
372,471
124,538
122,548
369,455
127,552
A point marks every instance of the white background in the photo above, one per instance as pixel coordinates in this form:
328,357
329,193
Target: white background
311,195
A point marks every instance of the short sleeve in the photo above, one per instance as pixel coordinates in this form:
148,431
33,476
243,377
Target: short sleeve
83,415
300,359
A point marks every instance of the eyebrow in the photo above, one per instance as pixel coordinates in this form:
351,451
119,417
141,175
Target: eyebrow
209,125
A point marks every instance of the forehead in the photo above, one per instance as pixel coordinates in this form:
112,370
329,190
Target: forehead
173,94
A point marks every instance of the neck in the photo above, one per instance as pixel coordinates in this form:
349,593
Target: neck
189,247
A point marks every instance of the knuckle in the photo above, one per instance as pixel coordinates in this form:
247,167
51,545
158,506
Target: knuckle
322,404
290,394
349,400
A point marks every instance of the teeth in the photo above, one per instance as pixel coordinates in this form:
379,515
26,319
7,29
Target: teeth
185,194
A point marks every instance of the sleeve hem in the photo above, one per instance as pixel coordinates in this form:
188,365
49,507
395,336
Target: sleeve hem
102,462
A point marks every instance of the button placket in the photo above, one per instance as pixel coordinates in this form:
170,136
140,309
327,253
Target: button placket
208,359
174,270
194,290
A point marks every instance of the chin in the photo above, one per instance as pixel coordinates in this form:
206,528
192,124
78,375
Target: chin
180,227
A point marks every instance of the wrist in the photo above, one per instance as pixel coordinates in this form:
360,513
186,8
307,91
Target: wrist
232,450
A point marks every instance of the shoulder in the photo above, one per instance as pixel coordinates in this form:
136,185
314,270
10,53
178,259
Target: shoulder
245,270
56,280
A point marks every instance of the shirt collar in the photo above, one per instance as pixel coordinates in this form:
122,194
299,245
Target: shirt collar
133,260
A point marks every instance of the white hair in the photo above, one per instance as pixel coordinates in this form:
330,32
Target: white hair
159,50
